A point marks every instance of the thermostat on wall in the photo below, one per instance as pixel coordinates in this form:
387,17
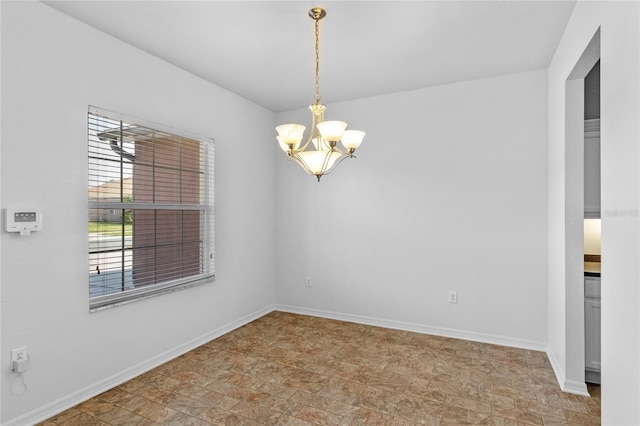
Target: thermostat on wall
23,220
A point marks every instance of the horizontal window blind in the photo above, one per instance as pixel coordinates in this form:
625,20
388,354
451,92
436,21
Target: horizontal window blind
151,200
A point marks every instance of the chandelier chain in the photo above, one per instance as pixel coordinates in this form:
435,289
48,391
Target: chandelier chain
317,96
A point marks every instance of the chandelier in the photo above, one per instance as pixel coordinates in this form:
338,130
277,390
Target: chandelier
320,153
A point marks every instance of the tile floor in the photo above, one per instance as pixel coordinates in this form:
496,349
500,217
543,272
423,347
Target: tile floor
287,369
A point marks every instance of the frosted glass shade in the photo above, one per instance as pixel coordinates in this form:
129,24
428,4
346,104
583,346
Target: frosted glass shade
322,146
285,147
351,139
315,160
331,131
290,134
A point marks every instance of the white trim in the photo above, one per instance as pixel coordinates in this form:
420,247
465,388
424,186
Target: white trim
556,366
576,388
569,386
419,328
44,412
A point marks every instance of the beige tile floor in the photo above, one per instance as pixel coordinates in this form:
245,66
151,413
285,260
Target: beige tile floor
287,369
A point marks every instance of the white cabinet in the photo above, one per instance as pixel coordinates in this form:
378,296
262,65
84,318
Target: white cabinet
592,168
592,329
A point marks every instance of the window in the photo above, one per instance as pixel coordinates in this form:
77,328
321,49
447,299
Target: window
151,202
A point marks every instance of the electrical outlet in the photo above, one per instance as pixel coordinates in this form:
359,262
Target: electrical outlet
18,354
308,281
453,296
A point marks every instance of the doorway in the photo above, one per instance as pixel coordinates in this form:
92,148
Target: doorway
592,226
574,216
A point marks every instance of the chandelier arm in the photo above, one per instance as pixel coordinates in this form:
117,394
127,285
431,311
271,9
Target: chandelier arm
311,132
302,164
325,162
302,148
335,164
339,151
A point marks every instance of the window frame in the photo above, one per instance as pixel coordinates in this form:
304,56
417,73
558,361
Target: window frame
206,207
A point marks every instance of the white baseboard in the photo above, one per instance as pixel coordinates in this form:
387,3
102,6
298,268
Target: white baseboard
569,386
577,388
420,328
558,370
75,398
42,413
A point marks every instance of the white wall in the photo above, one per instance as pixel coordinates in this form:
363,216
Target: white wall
449,192
592,233
53,67
384,238
620,133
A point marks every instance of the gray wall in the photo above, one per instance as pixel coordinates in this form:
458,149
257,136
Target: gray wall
618,23
592,93
449,192
53,67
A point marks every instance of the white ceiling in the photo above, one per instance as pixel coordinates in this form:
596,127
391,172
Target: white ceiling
263,50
